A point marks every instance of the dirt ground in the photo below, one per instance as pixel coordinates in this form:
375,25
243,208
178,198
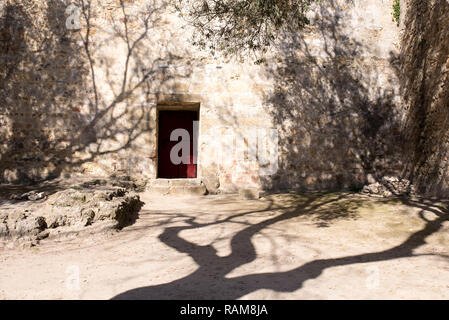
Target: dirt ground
285,246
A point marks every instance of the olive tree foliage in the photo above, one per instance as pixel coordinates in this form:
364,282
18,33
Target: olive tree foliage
234,27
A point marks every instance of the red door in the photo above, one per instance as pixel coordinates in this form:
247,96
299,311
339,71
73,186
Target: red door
168,122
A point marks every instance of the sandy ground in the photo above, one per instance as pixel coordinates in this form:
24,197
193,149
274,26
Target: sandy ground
316,246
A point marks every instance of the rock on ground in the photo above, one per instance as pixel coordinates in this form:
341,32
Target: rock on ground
37,216
390,186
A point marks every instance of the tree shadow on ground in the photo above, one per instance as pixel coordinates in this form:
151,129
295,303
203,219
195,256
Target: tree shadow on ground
210,280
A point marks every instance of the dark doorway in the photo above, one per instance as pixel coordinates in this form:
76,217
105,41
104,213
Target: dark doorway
168,122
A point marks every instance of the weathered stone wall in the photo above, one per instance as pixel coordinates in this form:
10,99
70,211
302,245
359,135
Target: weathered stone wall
337,99
85,99
41,81
425,66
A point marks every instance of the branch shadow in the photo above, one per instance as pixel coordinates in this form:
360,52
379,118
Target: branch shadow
62,105
210,281
335,104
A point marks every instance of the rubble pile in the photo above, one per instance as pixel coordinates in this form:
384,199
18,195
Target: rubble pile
390,186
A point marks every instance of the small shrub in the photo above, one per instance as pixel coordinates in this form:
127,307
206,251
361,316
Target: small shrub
80,198
397,11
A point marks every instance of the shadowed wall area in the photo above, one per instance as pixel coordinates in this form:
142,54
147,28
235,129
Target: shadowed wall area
336,100
425,66
40,72
65,100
